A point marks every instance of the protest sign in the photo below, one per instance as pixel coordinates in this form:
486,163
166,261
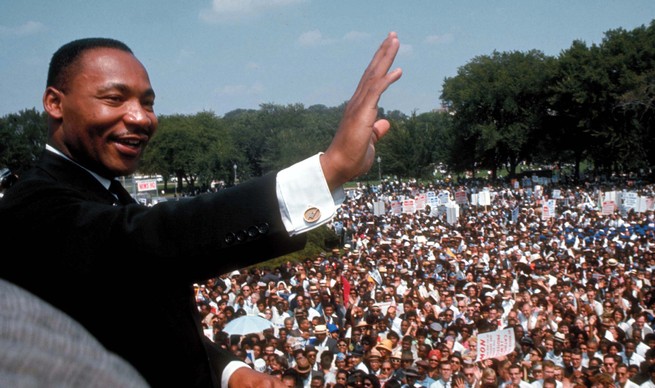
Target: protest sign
461,198
379,208
420,201
608,207
409,206
495,344
484,198
396,208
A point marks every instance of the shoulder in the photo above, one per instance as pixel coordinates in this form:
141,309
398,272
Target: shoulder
53,178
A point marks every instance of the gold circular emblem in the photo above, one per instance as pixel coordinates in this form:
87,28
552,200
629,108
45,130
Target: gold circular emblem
312,215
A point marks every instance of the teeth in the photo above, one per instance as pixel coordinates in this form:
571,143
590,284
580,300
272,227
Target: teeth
134,143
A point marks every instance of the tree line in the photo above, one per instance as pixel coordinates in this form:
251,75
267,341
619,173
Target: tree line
590,104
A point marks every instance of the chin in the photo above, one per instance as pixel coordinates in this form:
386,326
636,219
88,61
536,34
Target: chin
123,171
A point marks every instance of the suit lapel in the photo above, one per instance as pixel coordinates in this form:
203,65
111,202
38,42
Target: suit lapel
64,170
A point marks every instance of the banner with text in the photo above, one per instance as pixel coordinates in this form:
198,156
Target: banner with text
495,344
146,185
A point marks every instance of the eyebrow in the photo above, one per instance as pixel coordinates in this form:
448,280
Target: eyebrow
123,88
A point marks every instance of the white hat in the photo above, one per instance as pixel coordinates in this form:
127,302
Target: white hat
320,329
260,365
559,336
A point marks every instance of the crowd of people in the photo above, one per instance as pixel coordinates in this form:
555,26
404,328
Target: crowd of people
401,299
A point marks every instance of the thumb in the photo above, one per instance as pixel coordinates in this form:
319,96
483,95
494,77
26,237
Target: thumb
380,129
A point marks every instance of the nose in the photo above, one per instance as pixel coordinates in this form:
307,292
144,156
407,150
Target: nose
138,116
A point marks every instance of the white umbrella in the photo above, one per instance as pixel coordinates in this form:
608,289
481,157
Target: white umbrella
247,324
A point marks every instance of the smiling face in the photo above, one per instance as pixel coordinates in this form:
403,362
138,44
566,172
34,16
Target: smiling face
103,117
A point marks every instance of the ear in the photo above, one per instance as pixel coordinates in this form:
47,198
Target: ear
52,102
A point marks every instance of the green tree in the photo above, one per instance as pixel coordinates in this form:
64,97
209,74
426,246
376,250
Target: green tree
414,144
602,100
499,106
630,67
575,90
252,137
196,149
276,136
23,137
297,133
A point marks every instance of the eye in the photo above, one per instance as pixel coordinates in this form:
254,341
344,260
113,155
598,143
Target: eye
114,98
148,104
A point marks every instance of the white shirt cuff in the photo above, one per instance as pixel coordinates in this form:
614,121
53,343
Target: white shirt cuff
302,187
229,369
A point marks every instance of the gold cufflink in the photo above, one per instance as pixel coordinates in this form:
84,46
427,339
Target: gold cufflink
312,215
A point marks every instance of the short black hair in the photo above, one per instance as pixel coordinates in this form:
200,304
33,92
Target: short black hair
67,55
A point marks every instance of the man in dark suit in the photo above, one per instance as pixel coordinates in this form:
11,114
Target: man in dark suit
90,251
323,341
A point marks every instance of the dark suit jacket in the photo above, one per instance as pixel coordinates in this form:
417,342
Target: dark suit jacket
125,272
330,344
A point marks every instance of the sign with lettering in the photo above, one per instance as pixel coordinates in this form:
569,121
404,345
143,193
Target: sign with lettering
420,201
495,344
396,208
461,198
408,206
147,185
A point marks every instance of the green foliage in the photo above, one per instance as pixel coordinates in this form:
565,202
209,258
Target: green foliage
414,145
23,137
590,105
276,136
195,149
499,106
602,101
319,240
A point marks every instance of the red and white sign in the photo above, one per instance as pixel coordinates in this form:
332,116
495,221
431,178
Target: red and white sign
548,209
608,208
495,344
461,198
409,207
420,201
147,185
396,208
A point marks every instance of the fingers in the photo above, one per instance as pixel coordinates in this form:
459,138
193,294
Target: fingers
377,78
352,150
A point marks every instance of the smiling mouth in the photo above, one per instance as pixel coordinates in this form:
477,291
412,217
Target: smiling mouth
131,140
130,146
134,143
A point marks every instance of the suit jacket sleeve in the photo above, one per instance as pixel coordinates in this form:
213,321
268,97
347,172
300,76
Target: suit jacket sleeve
74,217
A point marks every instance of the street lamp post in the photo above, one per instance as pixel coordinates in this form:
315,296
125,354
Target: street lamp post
380,169
235,173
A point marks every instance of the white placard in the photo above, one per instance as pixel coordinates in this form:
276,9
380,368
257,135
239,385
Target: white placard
495,344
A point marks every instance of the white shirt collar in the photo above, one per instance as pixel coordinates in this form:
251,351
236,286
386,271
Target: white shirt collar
103,181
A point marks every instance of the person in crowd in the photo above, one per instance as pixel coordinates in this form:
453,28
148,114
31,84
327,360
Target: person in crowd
371,381
516,377
489,377
410,376
422,368
623,377
445,375
341,377
548,373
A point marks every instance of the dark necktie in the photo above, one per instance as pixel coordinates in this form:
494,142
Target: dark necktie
119,191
